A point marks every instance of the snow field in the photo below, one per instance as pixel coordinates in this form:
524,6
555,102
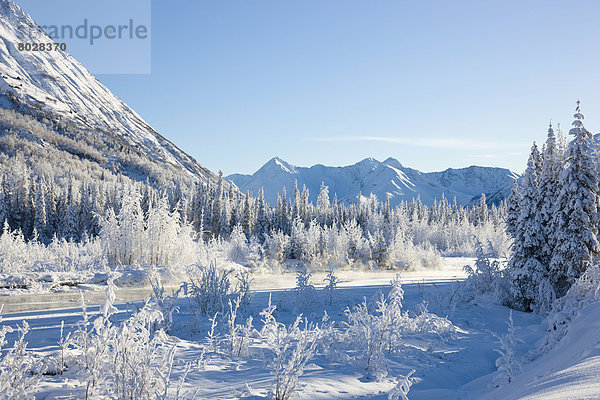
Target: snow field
445,354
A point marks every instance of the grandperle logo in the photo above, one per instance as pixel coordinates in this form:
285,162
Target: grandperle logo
93,32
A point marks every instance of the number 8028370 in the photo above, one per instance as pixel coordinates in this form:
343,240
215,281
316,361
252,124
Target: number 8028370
42,47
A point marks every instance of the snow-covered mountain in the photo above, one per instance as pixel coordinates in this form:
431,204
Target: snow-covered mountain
55,86
380,178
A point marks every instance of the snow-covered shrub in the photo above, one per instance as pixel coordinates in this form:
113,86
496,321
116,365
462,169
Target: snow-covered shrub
302,297
165,304
400,391
277,247
129,361
426,322
379,329
256,255
210,290
19,369
331,284
270,329
238,336
142,359
457,237
17,256
292,348
508,363
358,250
212,337
63,344
238,245
373,333
13,251
404,254
486,277
242,289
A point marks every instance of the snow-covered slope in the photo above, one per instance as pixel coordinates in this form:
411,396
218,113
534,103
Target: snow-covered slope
57,85
380,178
570,371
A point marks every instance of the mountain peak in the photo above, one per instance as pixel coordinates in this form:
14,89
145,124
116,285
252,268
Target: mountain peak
369,163
277,163
392,162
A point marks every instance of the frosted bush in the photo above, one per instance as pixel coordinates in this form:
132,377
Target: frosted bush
458,238
238,245
377,332
211,291
239,336
405,255
487,276
156,238
400,391
508,364
13,251
426,322
20,257
165,304
130,361
19,369
302,297
331,284
277,247
292,348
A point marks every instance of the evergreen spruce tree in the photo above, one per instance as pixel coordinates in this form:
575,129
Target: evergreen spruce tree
262,216
526,269
40,221
323,206
512,210
552,164
575,220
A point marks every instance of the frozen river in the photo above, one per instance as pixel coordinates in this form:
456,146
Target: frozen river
27,302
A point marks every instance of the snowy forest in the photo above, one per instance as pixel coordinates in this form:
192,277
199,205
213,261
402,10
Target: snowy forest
48,209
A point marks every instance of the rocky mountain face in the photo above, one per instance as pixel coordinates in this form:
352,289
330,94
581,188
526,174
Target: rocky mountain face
56,90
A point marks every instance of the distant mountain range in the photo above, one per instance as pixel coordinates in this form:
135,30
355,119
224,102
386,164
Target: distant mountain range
380,178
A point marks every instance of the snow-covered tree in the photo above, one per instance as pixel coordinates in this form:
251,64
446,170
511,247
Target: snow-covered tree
513,210
526,268
576,218
508,363
552,165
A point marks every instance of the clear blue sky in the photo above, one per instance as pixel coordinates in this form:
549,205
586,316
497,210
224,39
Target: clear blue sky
434,84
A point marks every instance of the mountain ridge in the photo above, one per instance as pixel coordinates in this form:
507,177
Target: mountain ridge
389,177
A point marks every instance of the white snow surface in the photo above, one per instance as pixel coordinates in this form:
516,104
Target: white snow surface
380,178
569,371
449,366
56,83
